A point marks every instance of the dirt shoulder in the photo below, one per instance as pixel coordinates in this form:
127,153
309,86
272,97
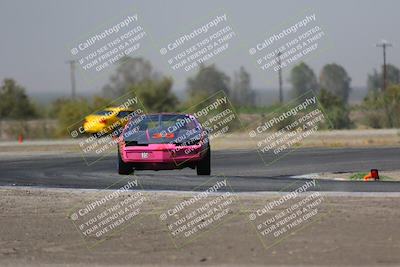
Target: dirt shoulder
336,138
355,230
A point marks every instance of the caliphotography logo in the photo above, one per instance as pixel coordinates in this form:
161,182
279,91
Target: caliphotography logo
99,133
110,211
283,130
198,46
212,204
111,43
291,212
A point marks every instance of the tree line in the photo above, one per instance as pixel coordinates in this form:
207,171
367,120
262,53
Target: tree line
380,108
332,87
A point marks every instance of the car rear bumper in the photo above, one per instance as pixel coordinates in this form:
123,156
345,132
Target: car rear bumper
162,153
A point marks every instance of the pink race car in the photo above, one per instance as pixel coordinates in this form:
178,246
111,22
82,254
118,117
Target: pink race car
163,142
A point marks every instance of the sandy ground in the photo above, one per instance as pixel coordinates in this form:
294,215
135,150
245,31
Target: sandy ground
354,229
336,138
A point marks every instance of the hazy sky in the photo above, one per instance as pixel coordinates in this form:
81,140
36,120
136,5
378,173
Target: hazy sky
36,35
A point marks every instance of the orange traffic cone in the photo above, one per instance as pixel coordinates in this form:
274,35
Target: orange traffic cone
20,138
372,175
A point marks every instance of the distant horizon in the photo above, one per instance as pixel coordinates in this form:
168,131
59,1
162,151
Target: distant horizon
38,43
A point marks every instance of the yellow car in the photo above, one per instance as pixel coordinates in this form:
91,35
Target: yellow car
106,120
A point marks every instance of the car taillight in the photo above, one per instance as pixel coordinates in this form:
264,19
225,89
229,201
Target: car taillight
170,135
167,135
157,136
104,121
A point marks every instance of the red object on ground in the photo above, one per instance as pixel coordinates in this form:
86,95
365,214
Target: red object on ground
20,138
373,175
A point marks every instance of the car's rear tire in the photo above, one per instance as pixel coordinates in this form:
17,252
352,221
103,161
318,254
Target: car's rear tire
123,168
204,165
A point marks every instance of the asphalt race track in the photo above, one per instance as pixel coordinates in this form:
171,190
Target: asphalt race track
244,170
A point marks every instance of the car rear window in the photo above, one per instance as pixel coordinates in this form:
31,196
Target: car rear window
103,113
163,121
123,114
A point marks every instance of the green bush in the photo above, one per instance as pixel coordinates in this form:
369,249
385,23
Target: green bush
382,109
70,113
14,103
336,110
156,96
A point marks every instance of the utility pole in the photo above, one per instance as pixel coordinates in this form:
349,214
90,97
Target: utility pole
280,78
384,44
73,82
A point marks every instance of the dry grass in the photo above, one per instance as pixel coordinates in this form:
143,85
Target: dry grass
336,138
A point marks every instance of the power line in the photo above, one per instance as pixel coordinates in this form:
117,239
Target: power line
384,44
72,76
